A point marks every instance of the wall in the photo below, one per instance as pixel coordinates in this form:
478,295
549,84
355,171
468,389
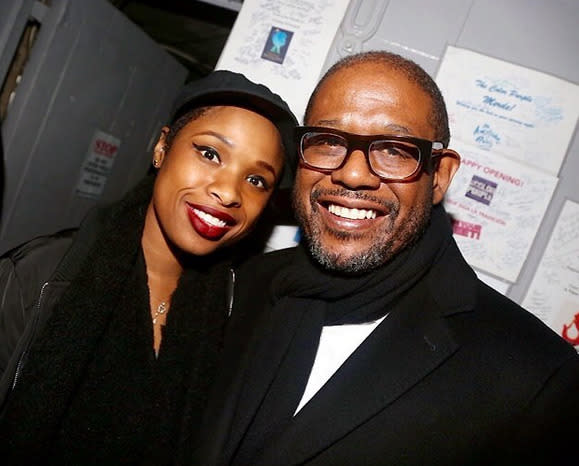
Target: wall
90,69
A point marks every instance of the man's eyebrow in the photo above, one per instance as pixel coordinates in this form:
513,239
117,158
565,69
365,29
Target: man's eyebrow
391,128
329,123
219,136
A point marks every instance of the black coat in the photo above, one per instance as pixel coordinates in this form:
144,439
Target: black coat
82,384
456,374
30,287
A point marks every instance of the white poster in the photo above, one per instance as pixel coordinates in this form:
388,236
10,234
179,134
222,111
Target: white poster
283,44
508,109
553,295
499,285
497,206
282,236
97,165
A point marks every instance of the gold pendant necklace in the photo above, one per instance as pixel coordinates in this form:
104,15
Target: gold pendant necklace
161,309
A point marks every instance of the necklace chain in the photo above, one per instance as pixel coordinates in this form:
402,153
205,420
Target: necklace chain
161,309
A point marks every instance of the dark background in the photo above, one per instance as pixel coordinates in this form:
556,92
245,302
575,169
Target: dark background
194,32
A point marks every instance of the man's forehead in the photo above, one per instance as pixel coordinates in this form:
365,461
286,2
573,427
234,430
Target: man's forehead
374,96
354,72
370,84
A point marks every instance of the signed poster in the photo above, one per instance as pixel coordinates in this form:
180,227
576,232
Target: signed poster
507,109
553,295
497,205
283,44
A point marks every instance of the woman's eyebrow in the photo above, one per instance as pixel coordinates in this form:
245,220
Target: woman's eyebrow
267,166
219,136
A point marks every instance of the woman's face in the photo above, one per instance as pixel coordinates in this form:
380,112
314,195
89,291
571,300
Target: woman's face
215,179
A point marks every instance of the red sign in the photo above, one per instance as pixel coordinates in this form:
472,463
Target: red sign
105,148
566,328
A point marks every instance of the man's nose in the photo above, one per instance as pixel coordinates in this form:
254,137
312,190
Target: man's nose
355,173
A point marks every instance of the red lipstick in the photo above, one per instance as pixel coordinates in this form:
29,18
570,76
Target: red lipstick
208,222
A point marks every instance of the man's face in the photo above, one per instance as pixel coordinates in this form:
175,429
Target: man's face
367,99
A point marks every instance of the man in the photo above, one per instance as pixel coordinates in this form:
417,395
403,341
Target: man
374,342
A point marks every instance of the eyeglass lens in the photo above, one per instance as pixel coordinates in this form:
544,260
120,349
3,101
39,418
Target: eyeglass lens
388,158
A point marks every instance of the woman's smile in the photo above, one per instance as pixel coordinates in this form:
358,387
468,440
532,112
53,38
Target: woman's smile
210,223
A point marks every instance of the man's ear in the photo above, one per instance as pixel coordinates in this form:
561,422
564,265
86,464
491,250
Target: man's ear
445,166
160,147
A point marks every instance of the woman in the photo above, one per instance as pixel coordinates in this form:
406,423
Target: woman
116,361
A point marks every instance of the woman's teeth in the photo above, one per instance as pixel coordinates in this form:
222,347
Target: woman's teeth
210,219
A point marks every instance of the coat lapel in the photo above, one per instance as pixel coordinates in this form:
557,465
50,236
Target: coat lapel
263,361
410,343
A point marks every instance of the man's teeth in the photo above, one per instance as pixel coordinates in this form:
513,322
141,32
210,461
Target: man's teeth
352,214
210,219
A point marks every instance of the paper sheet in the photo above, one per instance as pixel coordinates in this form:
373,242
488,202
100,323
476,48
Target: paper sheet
553,295
497,206
97,165
283,44
499,285
508,109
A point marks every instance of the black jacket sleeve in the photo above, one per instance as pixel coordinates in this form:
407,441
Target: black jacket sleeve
23,271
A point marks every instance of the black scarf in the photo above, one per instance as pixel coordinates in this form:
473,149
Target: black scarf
89,336
355,299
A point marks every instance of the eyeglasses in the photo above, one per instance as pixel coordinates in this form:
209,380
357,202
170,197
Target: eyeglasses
391,158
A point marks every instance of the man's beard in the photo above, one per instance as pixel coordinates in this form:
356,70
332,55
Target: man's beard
387,242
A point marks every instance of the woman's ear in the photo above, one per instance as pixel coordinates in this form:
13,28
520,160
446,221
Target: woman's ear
160,148
445,166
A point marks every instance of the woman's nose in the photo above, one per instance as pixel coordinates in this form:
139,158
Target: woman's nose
226,189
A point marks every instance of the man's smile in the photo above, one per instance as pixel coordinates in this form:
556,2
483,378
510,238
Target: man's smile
352,214
350,210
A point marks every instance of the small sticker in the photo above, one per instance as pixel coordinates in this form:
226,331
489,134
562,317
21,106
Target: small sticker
467,229
277,44
481,190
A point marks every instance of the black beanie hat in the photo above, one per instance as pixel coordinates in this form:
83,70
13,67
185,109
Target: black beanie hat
224,87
